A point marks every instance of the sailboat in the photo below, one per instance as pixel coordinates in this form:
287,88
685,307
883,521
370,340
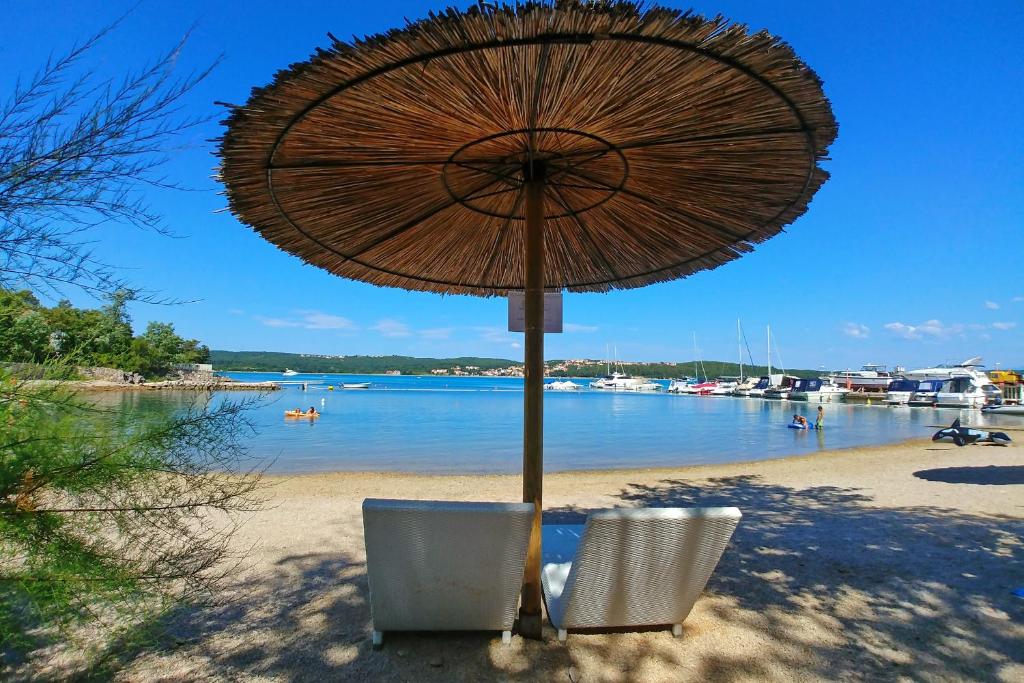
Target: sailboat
745,385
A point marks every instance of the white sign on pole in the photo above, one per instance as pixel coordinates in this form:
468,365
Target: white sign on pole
552,312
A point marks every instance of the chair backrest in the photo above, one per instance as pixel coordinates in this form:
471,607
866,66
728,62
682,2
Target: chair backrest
438,565
636,567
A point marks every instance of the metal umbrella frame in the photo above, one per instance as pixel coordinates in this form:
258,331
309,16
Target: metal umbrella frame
566,145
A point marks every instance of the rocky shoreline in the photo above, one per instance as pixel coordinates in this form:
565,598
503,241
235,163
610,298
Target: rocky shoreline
219,384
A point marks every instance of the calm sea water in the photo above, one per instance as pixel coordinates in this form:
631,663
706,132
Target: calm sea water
474,424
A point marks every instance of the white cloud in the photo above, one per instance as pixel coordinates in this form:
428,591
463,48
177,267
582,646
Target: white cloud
1018,299
236,311
573,327
496,335
856,330
933,329
277,322
437,333
992,305
392,328
516,345
310,320
1004,326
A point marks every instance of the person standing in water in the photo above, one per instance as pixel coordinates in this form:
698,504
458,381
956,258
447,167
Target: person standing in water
820,422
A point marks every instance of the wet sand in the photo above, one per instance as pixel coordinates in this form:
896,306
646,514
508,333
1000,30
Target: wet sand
885,563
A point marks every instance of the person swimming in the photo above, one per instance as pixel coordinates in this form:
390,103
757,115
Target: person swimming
801,420
311,411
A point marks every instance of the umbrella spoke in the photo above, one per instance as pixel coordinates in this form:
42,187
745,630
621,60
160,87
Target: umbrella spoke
508,177
499,239
585,230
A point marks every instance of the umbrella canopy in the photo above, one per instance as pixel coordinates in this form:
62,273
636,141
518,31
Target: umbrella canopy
671,143
571,145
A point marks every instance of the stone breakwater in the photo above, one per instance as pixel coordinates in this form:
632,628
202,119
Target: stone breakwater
217,384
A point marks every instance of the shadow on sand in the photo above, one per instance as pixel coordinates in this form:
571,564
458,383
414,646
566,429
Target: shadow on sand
815,584
993,475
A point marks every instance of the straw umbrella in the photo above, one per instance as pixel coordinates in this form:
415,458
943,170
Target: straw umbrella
561,146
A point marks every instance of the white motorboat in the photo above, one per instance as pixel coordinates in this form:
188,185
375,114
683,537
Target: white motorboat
289,373
817,391
961,392
968,368
900,391
355,385
723,389
1003,410
562,385
681,386
745,387
764,383
924,395
869,378
618,381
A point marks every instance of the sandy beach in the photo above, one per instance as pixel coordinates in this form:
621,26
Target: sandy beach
884,563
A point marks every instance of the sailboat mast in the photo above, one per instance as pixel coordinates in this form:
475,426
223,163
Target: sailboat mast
739,348
769,355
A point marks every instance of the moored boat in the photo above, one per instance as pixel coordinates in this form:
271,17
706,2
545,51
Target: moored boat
900,391
924,395
355,385
289,373
869,378
562,385
816,390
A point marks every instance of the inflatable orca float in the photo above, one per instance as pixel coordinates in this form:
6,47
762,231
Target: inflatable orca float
962,436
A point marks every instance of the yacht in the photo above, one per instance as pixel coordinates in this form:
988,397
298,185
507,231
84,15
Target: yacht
618,381
961,392
924,395
289,373
900,391
562,385
817,391
968,368
869,378
681,386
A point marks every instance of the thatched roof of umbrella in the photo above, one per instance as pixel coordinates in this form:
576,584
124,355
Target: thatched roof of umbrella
672,143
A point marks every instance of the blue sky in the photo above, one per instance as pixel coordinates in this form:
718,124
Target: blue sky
912,253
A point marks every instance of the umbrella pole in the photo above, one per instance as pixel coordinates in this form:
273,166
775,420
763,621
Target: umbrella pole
533,402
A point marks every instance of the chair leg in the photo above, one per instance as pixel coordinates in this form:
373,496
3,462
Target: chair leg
562,635
677,630
506,637
377,640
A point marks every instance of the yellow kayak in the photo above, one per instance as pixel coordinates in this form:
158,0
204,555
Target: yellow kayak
300,413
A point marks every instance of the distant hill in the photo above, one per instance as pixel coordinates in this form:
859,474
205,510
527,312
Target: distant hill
272,361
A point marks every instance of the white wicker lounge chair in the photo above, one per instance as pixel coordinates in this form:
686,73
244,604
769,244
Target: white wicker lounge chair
444,566
632,567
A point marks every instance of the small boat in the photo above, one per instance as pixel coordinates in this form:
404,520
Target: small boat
300,413
744,388
1003,410
355,385
723,389
289,373
563,385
